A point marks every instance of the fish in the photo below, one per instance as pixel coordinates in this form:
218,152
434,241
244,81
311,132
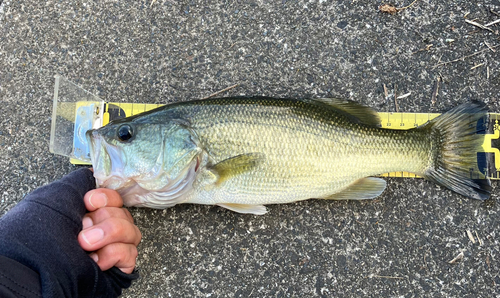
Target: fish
242,153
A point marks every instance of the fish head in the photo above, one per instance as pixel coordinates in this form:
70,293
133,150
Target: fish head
144,161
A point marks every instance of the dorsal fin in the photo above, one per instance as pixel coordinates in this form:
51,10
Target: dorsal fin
361,113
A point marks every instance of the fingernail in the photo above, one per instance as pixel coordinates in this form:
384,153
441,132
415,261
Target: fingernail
93,236
98,200
94,257
87,222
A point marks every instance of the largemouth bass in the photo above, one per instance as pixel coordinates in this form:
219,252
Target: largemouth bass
244,153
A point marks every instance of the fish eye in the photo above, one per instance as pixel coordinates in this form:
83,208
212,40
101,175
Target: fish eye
125,133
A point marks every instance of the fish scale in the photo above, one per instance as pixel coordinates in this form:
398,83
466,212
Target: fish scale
256,151
305,154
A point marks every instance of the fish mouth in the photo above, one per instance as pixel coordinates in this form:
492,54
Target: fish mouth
92,138
105,158
92,135
95,142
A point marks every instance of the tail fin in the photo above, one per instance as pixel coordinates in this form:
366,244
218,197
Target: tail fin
455,143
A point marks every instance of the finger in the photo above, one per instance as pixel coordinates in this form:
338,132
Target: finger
121,255
102,197
104,213
112,230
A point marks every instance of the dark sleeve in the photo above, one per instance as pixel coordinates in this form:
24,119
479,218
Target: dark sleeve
40,234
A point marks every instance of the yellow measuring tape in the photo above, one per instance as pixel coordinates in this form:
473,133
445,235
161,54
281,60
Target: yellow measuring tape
491,143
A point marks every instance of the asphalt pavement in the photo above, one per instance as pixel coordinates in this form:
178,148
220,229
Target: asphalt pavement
398,245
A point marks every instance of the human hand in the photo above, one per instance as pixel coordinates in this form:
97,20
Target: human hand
109,231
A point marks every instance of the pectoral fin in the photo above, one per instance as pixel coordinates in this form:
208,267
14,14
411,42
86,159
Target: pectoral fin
247,209
236,165
362,189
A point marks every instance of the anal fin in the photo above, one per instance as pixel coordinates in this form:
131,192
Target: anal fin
362,189
246,209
